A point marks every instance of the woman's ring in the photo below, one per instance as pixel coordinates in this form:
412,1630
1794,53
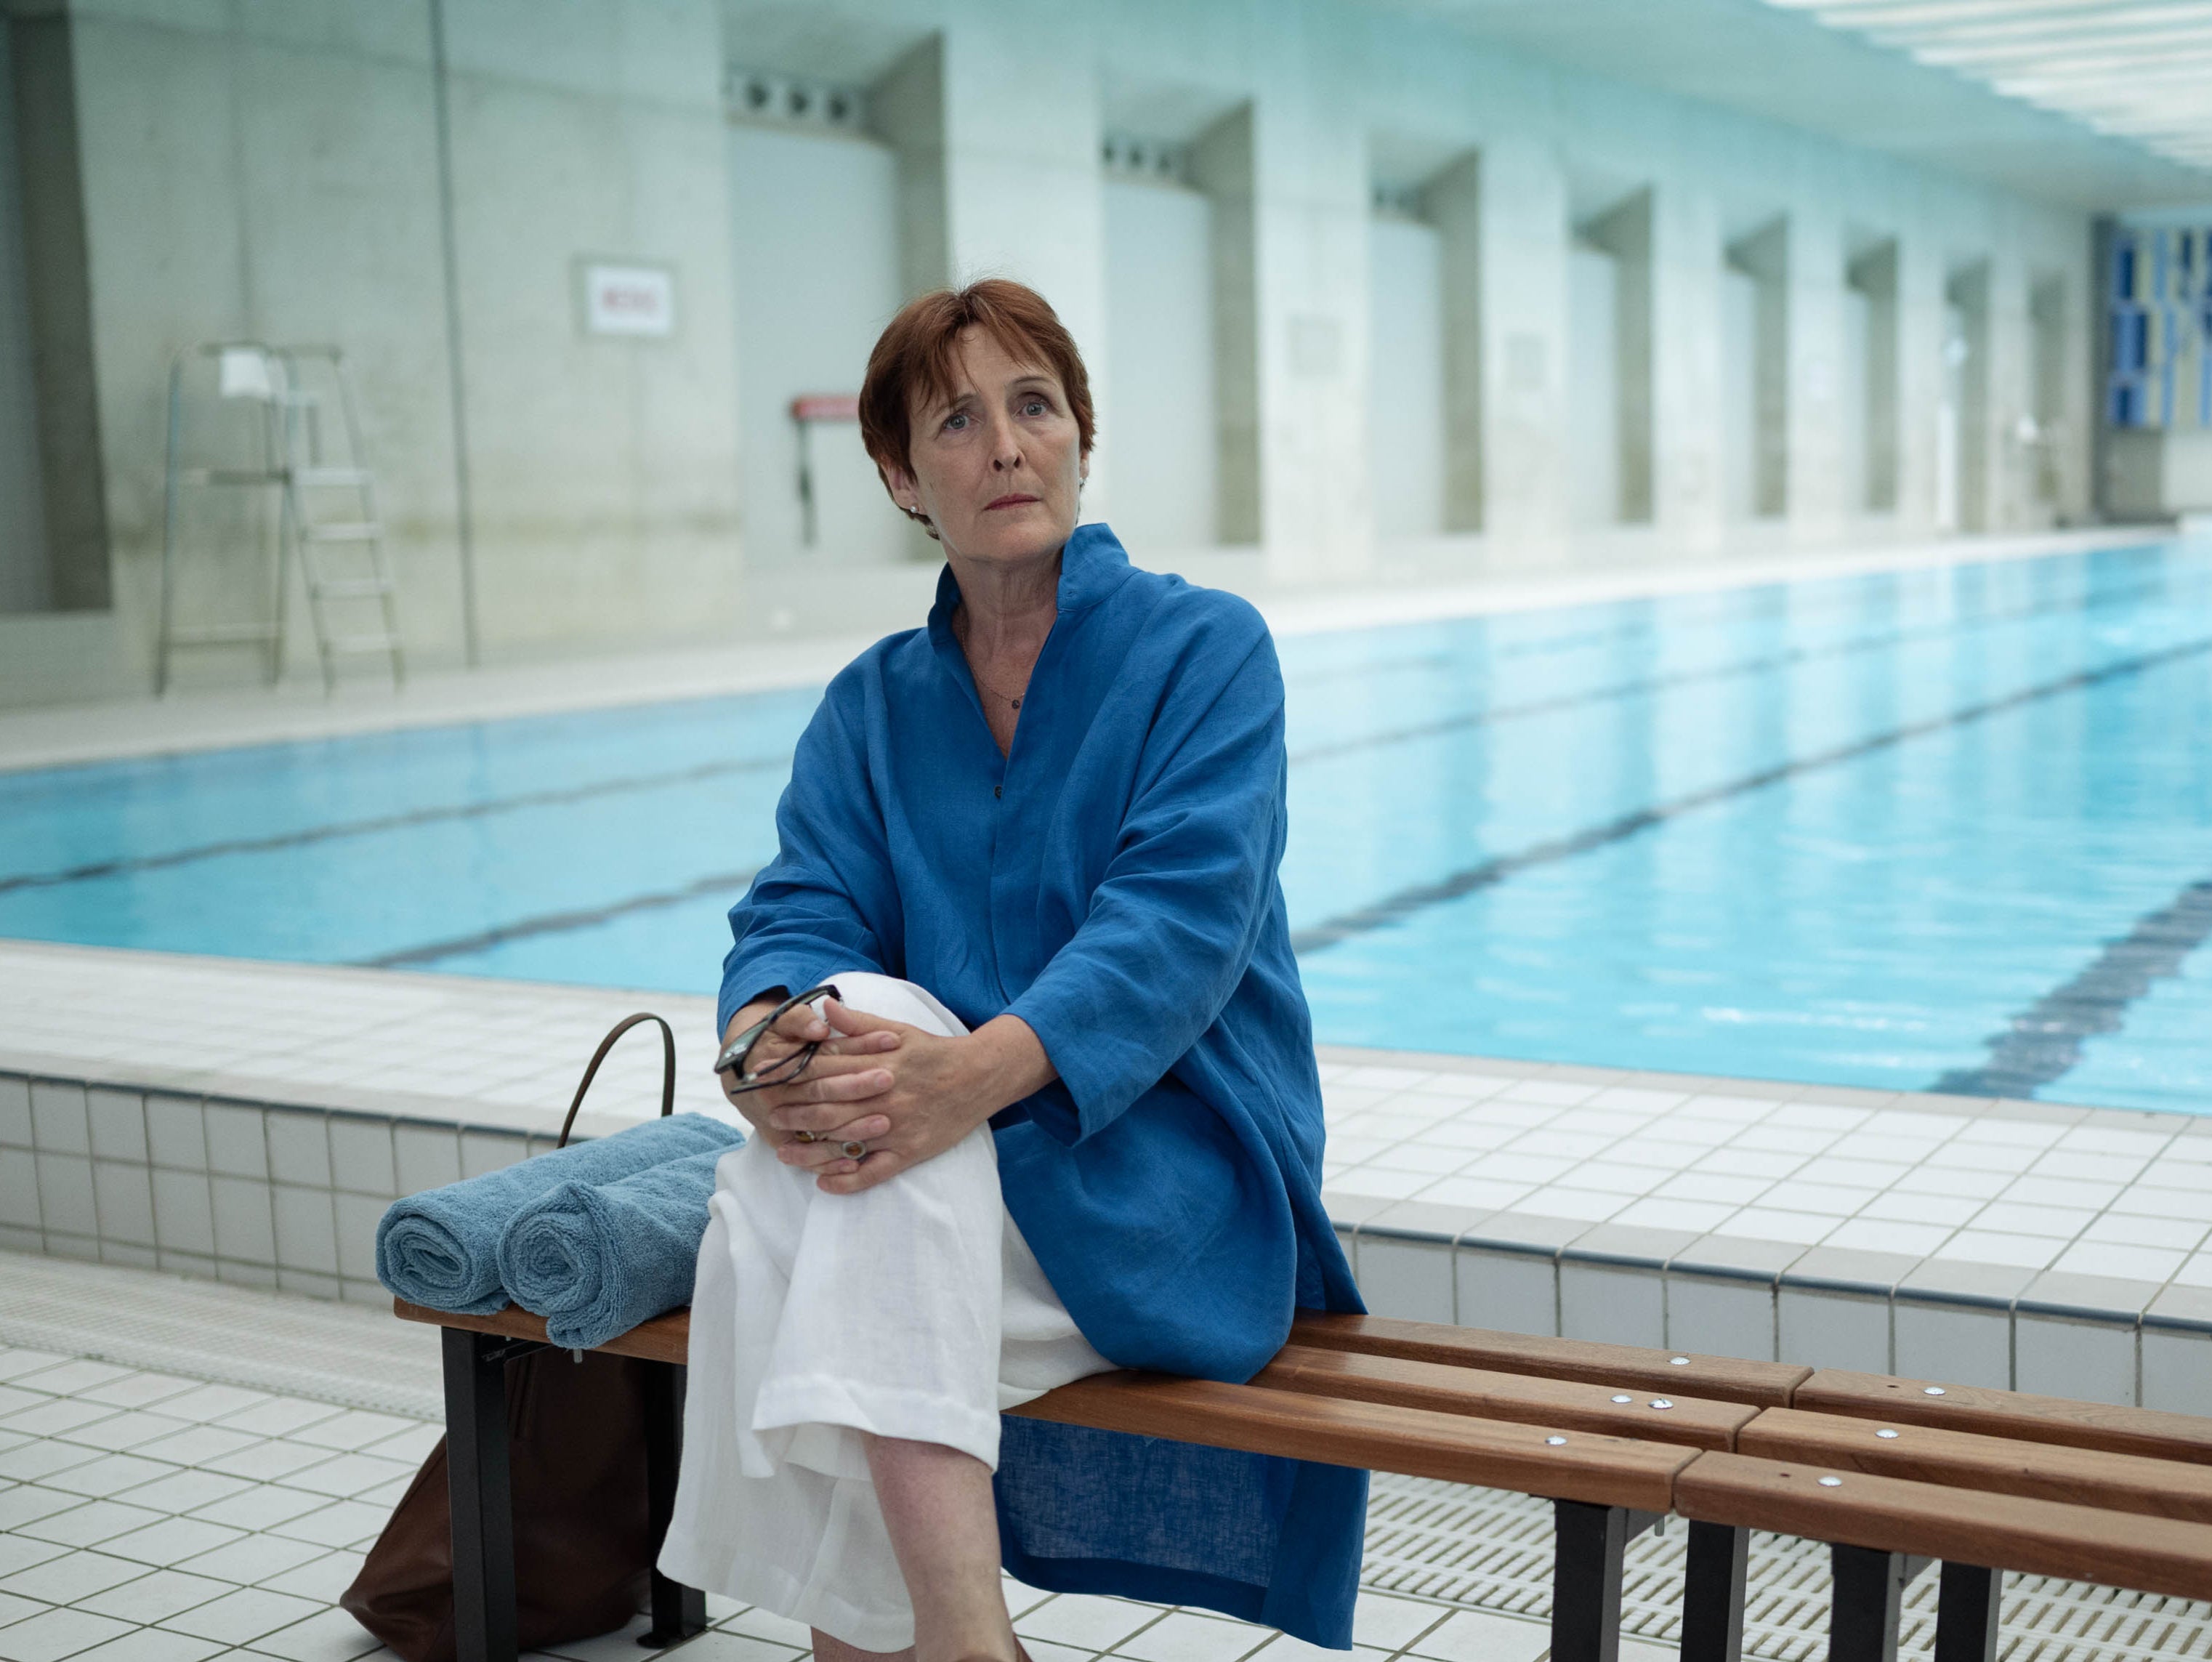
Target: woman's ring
852,1150
802,1137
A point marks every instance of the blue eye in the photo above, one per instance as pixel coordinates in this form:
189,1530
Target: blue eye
955,419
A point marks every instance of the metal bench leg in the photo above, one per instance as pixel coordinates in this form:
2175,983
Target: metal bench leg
1712,1593
678,1611
1869,1597
1586,1566
1966,1600
477,1491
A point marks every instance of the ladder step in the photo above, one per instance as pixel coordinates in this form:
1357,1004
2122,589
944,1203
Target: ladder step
236,635
349,588
360,531
229,476
331,476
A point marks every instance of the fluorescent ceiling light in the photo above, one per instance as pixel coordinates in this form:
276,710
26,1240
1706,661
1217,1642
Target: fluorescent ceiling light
2138,70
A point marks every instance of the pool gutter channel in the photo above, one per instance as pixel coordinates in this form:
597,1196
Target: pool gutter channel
244,1168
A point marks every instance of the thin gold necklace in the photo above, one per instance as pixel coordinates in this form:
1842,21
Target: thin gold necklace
1006,697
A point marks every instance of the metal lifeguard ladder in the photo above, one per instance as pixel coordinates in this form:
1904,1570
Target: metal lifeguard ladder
326,500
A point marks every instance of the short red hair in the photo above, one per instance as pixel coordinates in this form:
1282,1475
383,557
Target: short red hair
915,354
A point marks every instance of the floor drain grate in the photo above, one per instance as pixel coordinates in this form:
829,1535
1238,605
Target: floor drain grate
1492,1549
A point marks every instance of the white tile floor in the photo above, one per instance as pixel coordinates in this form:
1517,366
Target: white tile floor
148,1517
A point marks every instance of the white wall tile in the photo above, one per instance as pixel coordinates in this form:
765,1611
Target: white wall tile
358,1218
73,1246
243,1229
425,1157
245,1274
187,1264
184,1213
18,1189
298,1148
1717,1316
15,1111
117,1121
237,1142
360,1157
1408,1279
1960,1344
2177,1371
176,1134
1612,1304
138,1257
306,1235
65,1200
58,1118
14,1238
314,1286
1512,1292
486,1151
2086,1360
1832,1330
126,1200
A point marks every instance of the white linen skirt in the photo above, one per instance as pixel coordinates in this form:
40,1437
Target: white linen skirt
913,1309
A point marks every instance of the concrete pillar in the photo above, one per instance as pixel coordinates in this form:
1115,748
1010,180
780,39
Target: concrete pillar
26,581
1873,274
604,469
1920,374
1968,288
2011,394
1454,201
1625,231
1816,493
1765,256
1688,424
1525,337
57,275
1310,201
907,106
1223,166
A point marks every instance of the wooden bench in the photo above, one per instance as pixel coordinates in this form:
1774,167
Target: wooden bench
1892,1474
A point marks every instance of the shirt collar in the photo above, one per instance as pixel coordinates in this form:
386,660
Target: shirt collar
1092,565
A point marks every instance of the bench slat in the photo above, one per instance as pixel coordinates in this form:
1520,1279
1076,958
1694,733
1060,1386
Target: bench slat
1558,1404
1631,1367
1965,1459
2015,1413
1606,1471
664,1339
1968,1527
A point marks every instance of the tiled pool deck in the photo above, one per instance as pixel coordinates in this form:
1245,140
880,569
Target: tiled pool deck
250,1122
148,1515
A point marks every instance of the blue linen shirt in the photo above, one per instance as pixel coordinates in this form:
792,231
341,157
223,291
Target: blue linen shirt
1112,880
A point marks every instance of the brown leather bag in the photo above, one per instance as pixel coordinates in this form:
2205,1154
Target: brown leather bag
584,1545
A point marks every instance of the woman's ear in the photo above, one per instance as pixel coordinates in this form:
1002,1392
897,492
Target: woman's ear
905,491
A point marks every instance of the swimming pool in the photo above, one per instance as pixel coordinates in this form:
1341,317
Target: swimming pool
1937,828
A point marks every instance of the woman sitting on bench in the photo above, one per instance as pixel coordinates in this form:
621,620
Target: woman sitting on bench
1061,1112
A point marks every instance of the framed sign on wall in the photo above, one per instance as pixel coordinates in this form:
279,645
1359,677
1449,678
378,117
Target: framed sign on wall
628,297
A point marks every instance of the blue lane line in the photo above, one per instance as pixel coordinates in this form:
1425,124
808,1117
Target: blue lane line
292,839
1395,908
2043,1042
731,883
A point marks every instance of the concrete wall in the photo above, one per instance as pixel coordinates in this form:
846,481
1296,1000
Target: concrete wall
282,173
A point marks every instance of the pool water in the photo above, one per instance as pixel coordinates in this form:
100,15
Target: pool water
1942,828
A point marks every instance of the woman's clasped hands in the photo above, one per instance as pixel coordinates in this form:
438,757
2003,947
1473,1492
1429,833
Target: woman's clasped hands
904,1094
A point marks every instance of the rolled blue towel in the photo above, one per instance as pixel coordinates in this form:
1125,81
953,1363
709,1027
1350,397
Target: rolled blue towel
596,1259
441,1248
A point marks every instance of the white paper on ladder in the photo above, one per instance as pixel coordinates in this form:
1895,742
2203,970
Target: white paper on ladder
246,374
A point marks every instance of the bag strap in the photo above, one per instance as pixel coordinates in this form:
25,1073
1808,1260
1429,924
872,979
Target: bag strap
592,1067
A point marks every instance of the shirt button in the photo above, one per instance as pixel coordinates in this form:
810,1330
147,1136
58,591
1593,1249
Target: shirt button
998,790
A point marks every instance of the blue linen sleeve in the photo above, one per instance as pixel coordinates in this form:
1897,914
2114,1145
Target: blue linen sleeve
807,914
1172,925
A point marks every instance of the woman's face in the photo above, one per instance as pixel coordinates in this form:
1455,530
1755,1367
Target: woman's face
998,463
